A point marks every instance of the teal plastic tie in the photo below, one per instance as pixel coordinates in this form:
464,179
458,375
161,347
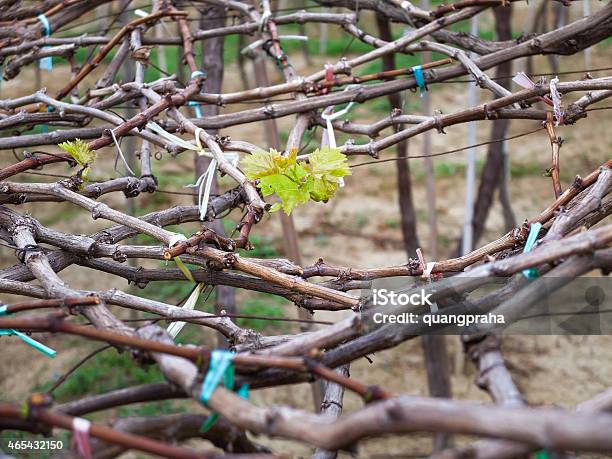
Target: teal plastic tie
220,367
3,310
244,391
45,22
46,63
417,71
193,103
534,230
542,454
210,421
196,107
51,353
197,73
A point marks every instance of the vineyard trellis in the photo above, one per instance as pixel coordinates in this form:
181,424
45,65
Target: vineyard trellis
182,114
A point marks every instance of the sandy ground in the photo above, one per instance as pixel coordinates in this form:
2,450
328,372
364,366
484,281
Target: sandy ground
548,369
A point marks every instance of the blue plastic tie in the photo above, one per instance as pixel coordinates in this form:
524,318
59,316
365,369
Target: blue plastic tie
30,342
220,367
196,107
210,421
417,71
46,63
534,230
193,103
197,73
45,22
3,309
244,391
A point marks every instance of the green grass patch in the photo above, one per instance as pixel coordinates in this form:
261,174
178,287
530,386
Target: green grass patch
107,371
264,305
264,247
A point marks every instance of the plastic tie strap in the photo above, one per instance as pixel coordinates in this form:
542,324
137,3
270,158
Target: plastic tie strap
204,186
205,181
329,77
174,139
417,71
210,421
175,328
175,239
196,108
80,438
256,44
329,127
46,63
556,99
184,269
427,268
3,310
524,81
332,116
193,103
220,367
51,353
121,155
534,230
198,73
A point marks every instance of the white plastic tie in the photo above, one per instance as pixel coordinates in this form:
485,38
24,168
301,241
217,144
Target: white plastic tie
407,5
523,80
331,137
204,185
427,268
171,137
198,140
175,327
232,157
263,20
80,439
256,44
125,163
204,182
175,239
556,98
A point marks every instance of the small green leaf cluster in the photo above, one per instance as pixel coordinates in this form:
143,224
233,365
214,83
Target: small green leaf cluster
297,182
82,154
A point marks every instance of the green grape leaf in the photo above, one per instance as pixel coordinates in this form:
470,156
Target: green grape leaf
290,192
276,207
261,163
297,183
323,189
328,166
328,161
82,154
80,151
